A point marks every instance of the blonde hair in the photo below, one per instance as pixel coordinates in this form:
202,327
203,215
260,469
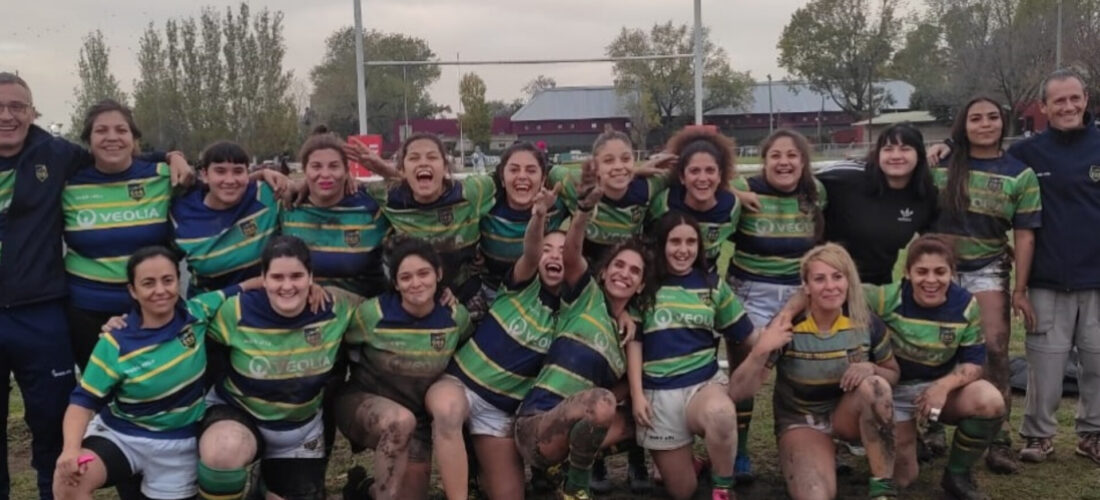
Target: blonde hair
837,257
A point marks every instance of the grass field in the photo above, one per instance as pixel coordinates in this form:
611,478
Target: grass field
1064,476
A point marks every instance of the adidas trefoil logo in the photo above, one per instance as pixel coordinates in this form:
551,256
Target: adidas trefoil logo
906,215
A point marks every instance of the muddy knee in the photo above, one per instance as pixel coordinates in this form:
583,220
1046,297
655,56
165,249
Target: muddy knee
599,407
394,428
448,413
720,420
875,389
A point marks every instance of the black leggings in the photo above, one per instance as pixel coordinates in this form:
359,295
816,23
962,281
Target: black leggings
84,329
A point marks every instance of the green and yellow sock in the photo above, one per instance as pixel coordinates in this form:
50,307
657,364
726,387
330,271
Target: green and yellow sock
972,438
744,420
221,484
881,487
722,482
584,443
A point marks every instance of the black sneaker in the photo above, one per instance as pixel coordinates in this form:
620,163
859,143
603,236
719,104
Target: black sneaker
358,485
638,478
962,486
599,483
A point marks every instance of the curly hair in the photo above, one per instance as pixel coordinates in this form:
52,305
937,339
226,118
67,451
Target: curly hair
694,140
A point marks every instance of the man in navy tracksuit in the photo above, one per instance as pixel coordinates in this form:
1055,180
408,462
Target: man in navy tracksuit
34,336
1064,287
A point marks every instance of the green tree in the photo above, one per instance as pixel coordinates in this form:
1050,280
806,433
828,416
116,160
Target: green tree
538,84
665,88
501,108
475,118
389,89
219,76
840,47
96,80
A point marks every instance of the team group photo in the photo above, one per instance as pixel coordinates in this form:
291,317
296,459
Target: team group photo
874,276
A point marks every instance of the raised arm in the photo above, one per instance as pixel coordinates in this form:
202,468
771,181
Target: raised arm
751,373
528,264
590,194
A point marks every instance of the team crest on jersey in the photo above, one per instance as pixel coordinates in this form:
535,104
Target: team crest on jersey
248,228
351,238
313,444
136,190
446,216
1094,173
312,335
637,213
856,356
187,338
41,173
712,233
995,184
439,340
947,335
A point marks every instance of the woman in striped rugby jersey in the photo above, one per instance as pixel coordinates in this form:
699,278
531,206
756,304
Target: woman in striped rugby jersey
128,416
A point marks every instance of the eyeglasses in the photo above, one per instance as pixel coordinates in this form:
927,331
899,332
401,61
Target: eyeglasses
16,108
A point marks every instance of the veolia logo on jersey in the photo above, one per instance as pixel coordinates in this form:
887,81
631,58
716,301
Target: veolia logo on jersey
767,226
262,367
520,330
665,317
89,218
1094,173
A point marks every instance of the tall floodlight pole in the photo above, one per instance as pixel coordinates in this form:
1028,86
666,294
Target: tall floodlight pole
698,62
1058,42
360,68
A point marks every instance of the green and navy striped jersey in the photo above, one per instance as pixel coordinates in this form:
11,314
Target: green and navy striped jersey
278,366
615,221
680,334
585,352
717,224
929,342
223,247
502,233
7,187
107,218
451,224
397,355
810,368
345,242
770,242
149,381
1004,194
503,357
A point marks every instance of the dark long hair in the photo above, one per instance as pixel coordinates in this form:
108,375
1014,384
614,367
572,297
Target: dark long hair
106,106
403,247
643,301
661,230
523,146
956,199
145,253
807,187
399,161
903,134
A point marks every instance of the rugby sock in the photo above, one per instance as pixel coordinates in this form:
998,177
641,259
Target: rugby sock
584,441
744,419
221,484
722,482
880,487
972,437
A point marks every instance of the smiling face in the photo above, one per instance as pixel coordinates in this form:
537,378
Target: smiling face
701,177
984,125
112,141
155,286
826,286
624,276
416,281
551,263
287,283
615,165
227,183
1064,105
15,118
897,161
783,164
522,177
424,169
326,174
681,249
930,275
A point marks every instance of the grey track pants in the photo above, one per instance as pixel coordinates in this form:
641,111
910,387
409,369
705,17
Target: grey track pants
1064,320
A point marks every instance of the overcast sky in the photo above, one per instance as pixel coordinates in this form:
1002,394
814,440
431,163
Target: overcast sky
41,39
